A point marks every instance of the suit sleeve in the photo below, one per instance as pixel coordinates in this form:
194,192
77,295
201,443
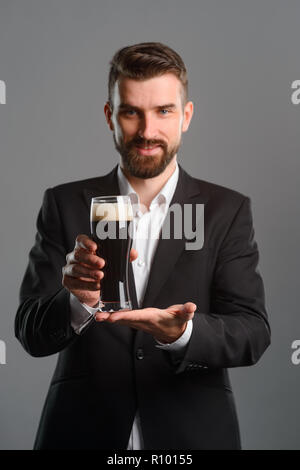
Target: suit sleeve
236,332
42,322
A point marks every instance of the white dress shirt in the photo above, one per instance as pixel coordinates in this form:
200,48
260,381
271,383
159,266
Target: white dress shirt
147,225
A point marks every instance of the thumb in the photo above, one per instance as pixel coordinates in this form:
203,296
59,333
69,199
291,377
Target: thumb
187,310
184,311
189,307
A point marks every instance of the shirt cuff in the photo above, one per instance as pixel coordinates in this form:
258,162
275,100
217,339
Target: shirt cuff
181,342
81,314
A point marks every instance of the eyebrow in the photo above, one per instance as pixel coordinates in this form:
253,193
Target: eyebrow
163,106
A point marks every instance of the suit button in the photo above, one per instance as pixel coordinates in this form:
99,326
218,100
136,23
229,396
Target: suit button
140,353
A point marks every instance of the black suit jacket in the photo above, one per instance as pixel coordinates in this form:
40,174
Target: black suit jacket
105,374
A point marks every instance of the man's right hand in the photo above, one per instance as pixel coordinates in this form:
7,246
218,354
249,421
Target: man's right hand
83,272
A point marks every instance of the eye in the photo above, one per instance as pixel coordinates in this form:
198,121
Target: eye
164,112
130,112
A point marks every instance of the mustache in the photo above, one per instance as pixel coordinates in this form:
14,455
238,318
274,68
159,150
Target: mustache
145,143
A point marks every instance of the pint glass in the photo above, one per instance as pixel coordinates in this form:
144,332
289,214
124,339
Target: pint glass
111,228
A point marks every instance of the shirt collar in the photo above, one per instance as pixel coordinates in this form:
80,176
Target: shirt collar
163,198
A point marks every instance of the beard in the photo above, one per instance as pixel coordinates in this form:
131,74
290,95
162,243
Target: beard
145,166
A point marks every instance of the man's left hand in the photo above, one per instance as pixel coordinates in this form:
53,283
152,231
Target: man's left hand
165,325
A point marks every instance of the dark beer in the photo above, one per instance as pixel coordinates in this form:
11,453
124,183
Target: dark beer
111,228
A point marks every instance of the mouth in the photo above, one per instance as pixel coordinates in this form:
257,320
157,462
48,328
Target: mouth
148,150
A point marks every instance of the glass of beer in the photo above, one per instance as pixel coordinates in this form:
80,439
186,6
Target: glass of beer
112,229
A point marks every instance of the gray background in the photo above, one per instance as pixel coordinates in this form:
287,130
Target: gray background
242,57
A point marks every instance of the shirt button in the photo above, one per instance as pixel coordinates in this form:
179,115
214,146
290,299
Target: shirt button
140,354
141,262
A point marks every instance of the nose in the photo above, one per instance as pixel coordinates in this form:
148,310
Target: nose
148,128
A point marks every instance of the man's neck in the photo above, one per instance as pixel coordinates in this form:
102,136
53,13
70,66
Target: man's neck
148,188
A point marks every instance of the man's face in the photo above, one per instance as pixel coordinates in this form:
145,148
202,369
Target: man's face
147,123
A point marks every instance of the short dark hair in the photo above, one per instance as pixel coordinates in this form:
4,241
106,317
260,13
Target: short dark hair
146,60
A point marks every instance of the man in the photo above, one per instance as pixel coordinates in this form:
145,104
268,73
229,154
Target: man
154,377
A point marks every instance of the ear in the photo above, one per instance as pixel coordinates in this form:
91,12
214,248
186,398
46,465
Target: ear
187,115
108,115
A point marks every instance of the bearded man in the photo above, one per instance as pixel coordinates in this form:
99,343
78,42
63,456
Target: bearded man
156,376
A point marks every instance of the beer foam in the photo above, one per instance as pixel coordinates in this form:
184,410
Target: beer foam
113,212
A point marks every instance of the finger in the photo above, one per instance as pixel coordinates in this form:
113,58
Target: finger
89,259
86,243
78,271
133,254
72,283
